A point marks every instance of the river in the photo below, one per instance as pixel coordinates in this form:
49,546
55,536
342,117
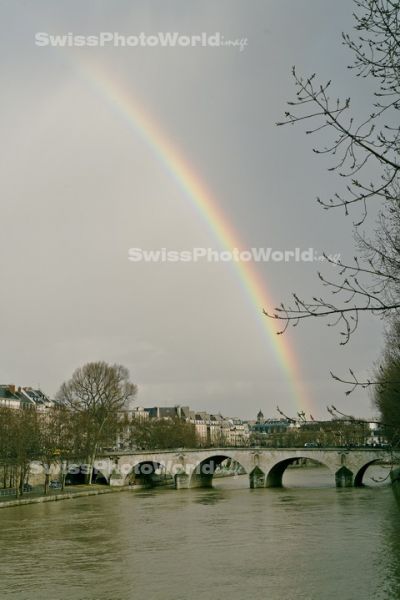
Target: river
307,540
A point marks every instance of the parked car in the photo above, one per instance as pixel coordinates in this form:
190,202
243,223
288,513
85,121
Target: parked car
27,487
55,485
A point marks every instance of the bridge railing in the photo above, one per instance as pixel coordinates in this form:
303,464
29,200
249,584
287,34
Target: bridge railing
121,452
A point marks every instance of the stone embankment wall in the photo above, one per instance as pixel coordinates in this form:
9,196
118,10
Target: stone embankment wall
66,496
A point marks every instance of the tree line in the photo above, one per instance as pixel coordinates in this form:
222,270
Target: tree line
84,419
88,417
327,434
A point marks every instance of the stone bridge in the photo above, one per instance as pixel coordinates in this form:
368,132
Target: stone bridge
265,467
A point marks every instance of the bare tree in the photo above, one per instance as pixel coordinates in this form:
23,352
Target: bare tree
19,443
68,432
58,440
96,393
359,146
48,444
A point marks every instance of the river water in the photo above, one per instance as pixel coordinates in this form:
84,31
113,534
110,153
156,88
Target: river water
307,540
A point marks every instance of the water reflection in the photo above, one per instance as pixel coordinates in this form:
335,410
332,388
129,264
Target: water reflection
210,497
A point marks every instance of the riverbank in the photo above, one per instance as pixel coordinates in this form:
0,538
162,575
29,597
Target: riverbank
81,493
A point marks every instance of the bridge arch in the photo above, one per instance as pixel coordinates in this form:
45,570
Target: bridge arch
78,474
203,473
99,477
148,472
275,474
358,479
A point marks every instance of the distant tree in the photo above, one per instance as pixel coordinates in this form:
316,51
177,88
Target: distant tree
96,393
337,432
366,150
387,388
163,434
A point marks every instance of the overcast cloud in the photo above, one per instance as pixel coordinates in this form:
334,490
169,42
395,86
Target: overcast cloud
79,187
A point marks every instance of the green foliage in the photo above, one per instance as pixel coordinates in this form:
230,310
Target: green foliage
387,392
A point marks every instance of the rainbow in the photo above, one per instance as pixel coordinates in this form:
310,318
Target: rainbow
207,207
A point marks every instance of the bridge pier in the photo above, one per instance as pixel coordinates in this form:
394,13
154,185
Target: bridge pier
257,478
182,481
201,480
344,477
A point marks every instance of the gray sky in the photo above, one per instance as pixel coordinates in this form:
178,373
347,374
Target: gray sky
80,187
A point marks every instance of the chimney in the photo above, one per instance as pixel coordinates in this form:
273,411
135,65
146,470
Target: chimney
11,388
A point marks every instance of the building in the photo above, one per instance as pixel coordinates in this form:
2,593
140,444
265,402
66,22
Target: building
216,430
260,417
269,426
168,412
211,429
12,396
377,435
239,433
138,413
